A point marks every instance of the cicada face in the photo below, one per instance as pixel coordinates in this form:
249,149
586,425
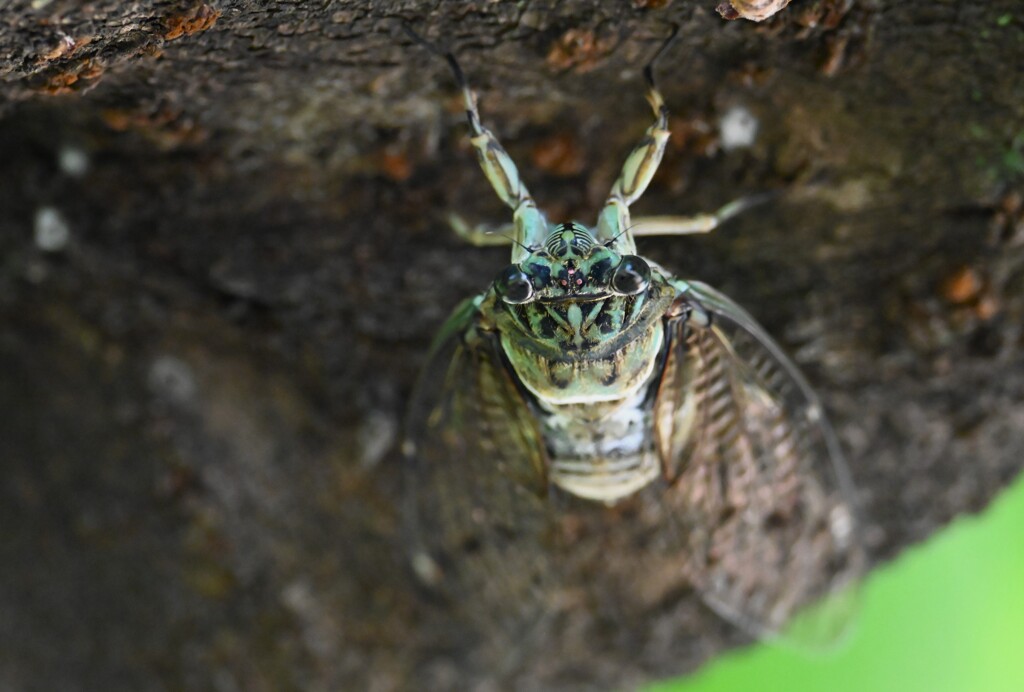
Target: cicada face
579,322
571,266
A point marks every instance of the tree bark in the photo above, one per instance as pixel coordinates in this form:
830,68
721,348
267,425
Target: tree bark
225,251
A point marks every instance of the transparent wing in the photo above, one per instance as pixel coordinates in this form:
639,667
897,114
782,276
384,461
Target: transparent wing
477,497
759,479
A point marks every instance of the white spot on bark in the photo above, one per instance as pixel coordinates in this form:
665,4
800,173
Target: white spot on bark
73,161
737,128
376,436
172,379
427,569
52,231
841,525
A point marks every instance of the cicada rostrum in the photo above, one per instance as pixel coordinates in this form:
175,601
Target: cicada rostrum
593,434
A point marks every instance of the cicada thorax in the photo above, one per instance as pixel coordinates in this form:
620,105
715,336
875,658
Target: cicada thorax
581,352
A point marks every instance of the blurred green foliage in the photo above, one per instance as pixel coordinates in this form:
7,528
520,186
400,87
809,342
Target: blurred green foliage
946,616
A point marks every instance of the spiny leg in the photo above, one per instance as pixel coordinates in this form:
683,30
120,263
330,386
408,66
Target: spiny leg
482,234
698,223
530,226
488,235
642,162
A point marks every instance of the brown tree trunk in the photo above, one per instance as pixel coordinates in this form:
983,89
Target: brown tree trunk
224,253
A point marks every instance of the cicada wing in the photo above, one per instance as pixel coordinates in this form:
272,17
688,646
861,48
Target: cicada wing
477,508
760,482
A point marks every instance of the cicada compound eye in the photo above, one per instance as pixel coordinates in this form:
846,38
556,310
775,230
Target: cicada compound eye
513,285
632,276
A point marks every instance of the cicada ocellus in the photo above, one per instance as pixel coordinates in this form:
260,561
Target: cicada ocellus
592,432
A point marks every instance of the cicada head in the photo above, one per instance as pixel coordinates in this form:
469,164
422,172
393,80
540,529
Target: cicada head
572,266
575,300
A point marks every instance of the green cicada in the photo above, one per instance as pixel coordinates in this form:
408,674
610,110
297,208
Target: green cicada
593,434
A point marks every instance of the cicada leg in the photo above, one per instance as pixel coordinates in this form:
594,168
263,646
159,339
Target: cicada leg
638,170
482,234
530,226
696,224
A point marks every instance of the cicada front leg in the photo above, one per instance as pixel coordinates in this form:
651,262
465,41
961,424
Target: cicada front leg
529,225
482,234
613,225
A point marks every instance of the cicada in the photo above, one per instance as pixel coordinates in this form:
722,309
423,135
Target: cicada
592,434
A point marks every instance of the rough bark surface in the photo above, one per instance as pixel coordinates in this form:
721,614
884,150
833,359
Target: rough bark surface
223,253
